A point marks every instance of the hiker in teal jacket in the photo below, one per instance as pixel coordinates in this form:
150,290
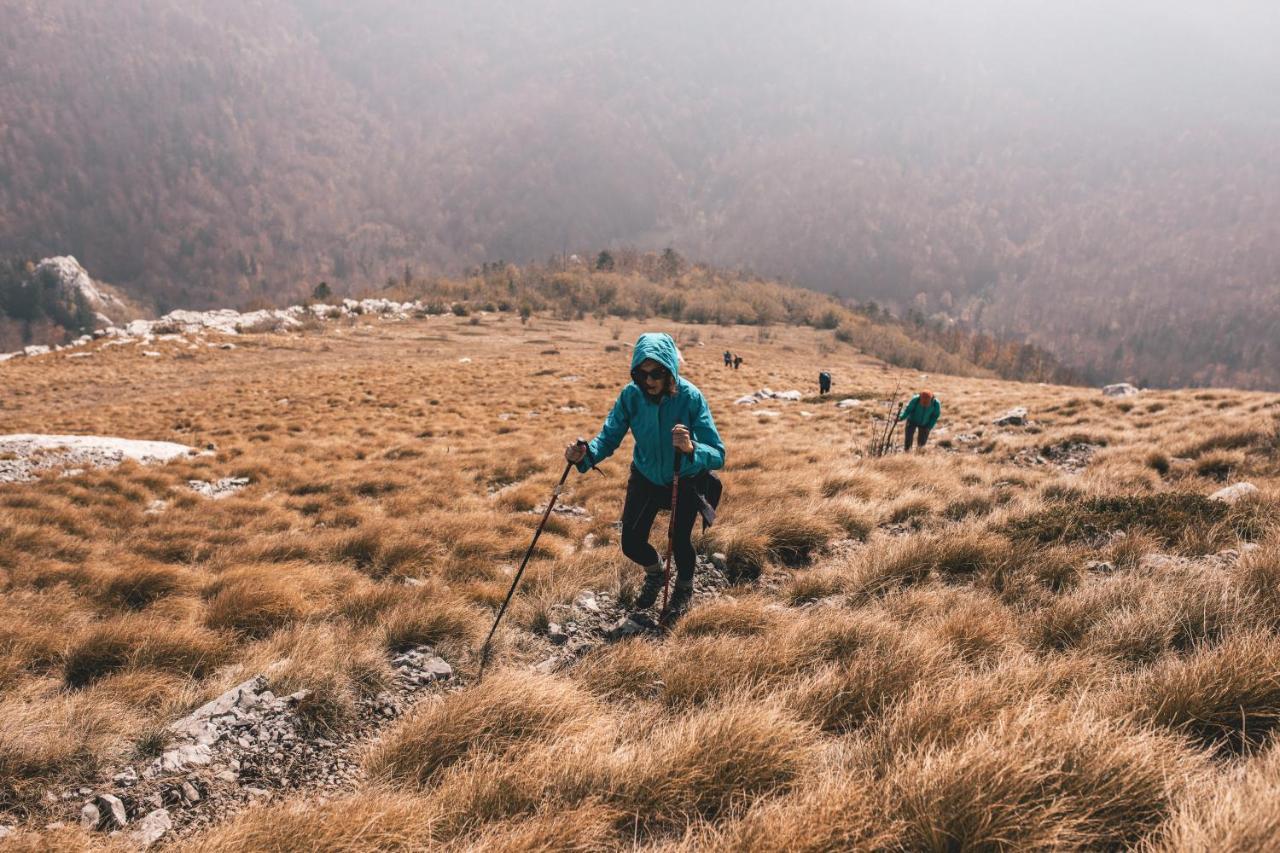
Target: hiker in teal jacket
668,416
920,414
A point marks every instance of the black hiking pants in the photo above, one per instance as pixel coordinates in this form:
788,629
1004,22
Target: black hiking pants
644,499
912,432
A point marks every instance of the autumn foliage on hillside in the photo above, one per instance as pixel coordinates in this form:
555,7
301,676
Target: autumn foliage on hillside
635,285
203,153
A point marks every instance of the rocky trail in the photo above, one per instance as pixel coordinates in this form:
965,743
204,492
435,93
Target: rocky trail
249,745
595,619
245,746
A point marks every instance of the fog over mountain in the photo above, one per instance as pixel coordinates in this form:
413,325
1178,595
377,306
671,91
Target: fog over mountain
1102,179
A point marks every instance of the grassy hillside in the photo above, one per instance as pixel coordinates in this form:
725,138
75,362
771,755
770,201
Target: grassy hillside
634,285
1026,637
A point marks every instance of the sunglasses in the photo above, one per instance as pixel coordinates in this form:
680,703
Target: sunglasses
657,374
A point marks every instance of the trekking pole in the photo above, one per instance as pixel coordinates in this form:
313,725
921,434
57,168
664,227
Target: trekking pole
555,493
671,538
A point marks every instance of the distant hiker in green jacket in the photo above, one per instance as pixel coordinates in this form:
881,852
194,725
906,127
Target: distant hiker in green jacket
920,414
667,415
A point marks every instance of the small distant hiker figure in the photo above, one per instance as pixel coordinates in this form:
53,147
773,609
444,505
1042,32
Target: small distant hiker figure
737,362
667,415
920,414
824,383
728,359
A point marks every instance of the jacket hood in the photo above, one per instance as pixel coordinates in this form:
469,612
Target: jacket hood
661,348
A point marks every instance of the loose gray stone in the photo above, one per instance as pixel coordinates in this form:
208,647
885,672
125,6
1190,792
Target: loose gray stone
1013,417
437,668
112,810
90,817
624,627
1233,493
153,827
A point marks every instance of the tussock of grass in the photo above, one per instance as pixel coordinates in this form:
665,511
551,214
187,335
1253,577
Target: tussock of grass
741,618
336,667
1219,465
1225,696
630,669
506,710
377,550
845,695
709,764
951,556
855,519
941,711
254,603
136,587
703,669
1224,440
376,820
794,536
136,642
426,616
1044,779
1064,622
840,811
815,584
1165,516
1239,816
587,828
746,552
59,738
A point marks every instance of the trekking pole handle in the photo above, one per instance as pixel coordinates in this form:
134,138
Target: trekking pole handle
581,442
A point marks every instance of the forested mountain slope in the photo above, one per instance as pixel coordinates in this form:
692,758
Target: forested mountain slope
1100,181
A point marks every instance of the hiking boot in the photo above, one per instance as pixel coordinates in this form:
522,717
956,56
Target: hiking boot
681,598
653,582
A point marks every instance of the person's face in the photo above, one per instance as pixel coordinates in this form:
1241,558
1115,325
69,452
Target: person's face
655,377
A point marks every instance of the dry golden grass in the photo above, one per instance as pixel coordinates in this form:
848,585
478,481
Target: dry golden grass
507,710
379,820
920,652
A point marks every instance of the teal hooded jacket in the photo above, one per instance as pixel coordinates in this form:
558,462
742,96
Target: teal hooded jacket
920,415
651,421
